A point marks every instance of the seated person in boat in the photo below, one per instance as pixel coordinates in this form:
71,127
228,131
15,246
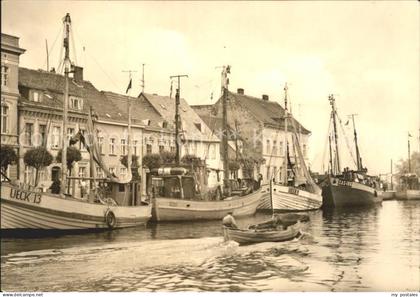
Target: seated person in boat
229,221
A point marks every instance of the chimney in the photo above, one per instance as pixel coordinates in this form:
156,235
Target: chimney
78,73
240,91
265,97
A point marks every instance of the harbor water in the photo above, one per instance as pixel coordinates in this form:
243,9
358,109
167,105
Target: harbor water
367,249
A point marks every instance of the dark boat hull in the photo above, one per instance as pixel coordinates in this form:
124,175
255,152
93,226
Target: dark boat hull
339,193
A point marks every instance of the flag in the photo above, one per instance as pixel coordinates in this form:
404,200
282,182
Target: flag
128,87
347,122
409,135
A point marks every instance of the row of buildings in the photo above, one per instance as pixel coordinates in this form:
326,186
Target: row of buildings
31,115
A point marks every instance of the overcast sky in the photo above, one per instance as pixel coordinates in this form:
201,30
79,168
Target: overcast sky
366,53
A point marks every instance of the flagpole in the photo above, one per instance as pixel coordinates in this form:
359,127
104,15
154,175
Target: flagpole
409,158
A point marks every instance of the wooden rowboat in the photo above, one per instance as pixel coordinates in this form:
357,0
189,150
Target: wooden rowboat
257,236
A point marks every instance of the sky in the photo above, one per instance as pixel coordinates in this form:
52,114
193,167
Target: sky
365,53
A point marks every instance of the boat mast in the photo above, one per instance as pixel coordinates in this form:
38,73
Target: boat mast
359,160
177,118
392,186
333,114
67,65
409,158
285,177
331,160
225,84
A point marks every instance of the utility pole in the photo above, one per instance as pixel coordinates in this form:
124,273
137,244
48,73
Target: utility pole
67,70
177,117
225,85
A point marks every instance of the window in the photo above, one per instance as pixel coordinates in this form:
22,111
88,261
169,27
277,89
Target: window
29,132
99,172
4,119
135,147
100,144
148,148
173,149
76,103
112,146
55,143
70,133
274,172
281,147
304,150
82,172
4,75
123,147
82,146
161,148
123,171
274,147
268,146
42,134
112,170
36,96
28,175
268,173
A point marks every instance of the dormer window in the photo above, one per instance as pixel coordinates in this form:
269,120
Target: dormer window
76,103
164,124
198,126
36,96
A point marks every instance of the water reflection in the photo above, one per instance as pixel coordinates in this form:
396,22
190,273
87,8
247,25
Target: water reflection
366,249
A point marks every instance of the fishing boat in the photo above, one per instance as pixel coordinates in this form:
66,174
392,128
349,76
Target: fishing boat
26,207
177,194
249,236
388,192
297,191
409,186
348,187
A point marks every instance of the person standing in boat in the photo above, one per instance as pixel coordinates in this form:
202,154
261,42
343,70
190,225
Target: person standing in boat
229,221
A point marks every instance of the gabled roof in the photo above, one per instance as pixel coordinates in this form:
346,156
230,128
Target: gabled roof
193,126
268,112
52,85
142,112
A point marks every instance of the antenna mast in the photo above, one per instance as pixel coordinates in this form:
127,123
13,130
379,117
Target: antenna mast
177,117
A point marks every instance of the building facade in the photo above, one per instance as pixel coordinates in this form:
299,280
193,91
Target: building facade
260,124
10,54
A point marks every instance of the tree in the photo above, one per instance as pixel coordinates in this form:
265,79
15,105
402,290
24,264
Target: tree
8,157
402,166
167,157
73,155
152,161
191,160
38,158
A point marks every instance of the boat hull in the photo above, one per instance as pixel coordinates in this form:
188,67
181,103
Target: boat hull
387,195
290,199
170,209
23,209
253,236
339,193
408,194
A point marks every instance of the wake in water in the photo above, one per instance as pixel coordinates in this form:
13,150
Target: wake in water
205,264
